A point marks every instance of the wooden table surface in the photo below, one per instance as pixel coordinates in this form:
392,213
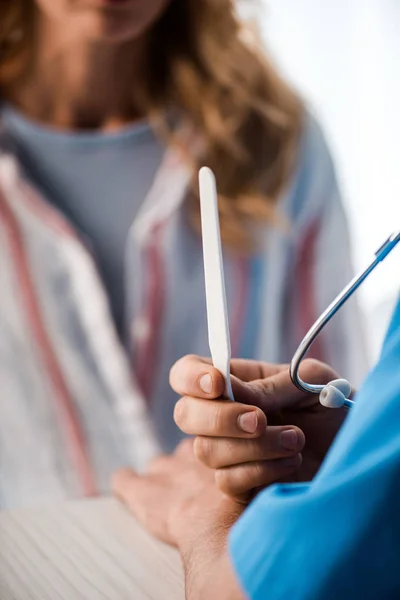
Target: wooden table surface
92,550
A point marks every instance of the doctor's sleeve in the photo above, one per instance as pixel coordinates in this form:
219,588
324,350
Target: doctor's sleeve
338,536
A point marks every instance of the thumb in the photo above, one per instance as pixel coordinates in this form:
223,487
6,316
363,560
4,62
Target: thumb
278,392
128,487
141,495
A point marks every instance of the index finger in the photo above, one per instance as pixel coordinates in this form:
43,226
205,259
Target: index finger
195,376
277,392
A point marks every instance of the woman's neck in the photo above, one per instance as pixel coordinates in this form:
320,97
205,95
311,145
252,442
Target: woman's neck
73,84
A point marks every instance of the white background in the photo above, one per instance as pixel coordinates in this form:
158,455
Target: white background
344,58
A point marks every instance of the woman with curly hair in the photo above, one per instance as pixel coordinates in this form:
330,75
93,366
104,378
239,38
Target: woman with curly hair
108,108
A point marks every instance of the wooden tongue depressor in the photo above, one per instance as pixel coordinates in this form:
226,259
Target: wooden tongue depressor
217,314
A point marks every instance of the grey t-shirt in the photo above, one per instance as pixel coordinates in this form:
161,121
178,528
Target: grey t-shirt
97,180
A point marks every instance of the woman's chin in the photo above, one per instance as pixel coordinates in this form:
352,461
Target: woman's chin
112,21
109,27
116,21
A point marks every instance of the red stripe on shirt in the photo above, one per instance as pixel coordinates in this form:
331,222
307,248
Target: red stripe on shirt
238,319
305,301
152,312
65,404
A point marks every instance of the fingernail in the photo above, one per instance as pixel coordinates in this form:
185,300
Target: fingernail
206,383
248,422
289,439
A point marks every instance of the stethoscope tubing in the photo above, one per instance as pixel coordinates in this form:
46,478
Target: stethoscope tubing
330,312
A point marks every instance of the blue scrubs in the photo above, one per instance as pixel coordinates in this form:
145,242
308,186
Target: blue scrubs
337,537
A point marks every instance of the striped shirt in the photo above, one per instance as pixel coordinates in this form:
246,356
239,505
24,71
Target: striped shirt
75,404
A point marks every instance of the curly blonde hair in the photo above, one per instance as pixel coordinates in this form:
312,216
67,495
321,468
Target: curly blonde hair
204,62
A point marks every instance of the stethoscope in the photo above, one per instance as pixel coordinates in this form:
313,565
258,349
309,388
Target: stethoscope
336,393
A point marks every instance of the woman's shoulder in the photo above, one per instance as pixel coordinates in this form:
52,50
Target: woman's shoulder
314,183
314,149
